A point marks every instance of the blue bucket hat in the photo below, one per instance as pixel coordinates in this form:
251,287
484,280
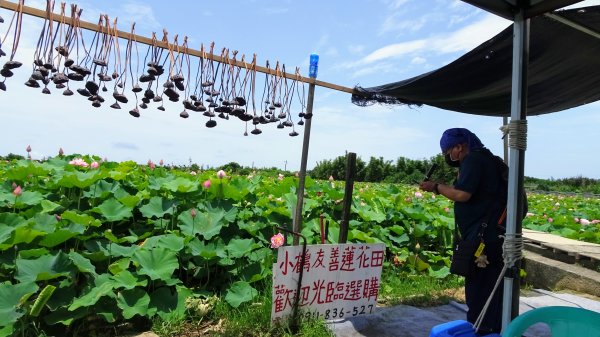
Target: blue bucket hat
454,136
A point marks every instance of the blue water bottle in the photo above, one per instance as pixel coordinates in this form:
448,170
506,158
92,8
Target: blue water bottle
314,66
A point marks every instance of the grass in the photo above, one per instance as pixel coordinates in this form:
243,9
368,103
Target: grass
254,319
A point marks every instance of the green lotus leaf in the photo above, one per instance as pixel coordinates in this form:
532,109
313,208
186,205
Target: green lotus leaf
93,296
22,234
125,279
62,235
236,189
32,253
7,331
109,249
252,227
48,206
169,241
207,223
133,302
46,267
83,265
119,266
80,179
102,189
240,292
158,263
82,219
113,210
5,232
181,185
25,169
64,316
157,207
204,250
169,302
127,199
11,299
29,198
237,248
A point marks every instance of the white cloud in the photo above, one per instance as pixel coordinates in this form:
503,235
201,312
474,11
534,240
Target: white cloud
356,48
395,50
418,60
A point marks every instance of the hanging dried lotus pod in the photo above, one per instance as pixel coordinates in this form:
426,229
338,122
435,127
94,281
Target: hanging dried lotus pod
207,83
276,104
37,75
120,97
2,53
256,132
246,117
170,92
255,120
193,97
209,113
147,78
136,88
80,69
60,78
44,72
288,123
114,75
84,92
100,62
300,122
6,72
115,105
210,100
48,66
134,112
32,83
161,108
179,85
92,87
38,62
212,105
152,71
104,77
184,114
237,111
12,64
46,80
226,103
62,50
280,126
60,86
149,94
200,108
68,92
1,20
301,114
69,62
241,101
271,107
96,98
120,85
282,115
143,105
177,78
46,91
2,86
245,133
146,100
222,116
157,99
263,120
293,133
168,85
75,77
188,104
96,104
211,123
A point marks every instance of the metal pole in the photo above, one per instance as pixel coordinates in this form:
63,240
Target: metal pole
350,174
505,143
297,224
517,159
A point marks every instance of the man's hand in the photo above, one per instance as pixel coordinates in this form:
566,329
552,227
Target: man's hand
427,185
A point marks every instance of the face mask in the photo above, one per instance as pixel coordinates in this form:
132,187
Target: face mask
450,161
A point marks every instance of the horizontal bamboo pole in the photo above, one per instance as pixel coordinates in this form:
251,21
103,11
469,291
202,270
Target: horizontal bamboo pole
148,41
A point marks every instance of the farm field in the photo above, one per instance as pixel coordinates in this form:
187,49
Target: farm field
86,242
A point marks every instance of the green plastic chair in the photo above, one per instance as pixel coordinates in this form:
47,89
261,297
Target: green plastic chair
563,322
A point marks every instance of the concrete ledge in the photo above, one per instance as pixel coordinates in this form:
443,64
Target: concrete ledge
546,273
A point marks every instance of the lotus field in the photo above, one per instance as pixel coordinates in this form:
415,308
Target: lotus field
83,240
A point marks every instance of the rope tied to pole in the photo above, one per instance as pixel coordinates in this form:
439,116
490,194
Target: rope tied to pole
517,134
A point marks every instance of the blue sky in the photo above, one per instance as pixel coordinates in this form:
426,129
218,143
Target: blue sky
368,43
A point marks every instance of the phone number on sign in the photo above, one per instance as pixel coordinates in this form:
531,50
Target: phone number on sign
339,313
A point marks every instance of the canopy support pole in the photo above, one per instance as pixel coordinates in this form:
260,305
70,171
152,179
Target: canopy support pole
297,223
518,112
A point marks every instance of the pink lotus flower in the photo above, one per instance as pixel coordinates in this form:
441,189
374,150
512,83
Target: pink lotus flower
58,217
280,176
61,152
550,219
331,178
595,221
576,219
28,149
193,213
221,174
94,165
529,214
161,162
206,184
17,191
297,174
584,222
418,195
79,162
277,240
447,210
193,173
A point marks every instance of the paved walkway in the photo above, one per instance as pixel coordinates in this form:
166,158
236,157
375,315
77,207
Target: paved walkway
407,321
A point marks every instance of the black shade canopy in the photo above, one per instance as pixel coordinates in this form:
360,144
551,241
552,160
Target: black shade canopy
508,8
564,71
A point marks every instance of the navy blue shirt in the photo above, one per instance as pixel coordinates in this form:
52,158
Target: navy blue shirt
479,175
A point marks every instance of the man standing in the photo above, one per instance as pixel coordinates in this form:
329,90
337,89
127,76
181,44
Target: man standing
479,195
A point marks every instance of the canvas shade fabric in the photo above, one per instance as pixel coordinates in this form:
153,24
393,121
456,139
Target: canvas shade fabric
563,72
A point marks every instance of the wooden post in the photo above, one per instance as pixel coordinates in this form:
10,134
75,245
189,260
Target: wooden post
350,175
